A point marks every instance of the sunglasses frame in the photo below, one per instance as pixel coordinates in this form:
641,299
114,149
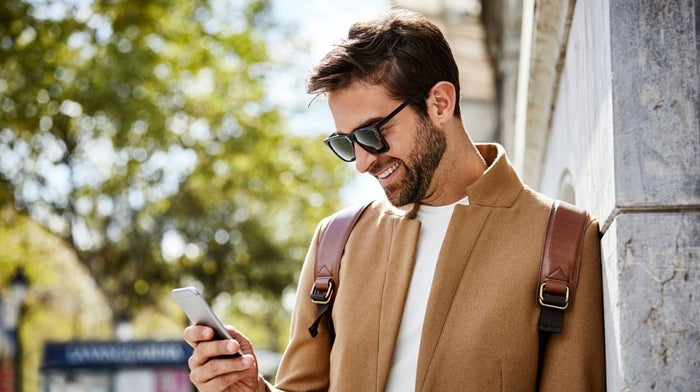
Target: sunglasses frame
376,129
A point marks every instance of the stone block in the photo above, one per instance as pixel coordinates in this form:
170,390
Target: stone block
655,102
652,301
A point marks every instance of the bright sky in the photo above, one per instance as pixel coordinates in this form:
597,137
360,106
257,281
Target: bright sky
322,23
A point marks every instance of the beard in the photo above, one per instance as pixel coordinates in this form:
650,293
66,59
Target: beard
420,167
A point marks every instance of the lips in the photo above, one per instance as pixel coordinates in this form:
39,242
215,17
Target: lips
388,171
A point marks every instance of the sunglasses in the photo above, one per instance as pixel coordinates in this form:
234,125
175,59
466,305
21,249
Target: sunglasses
369,138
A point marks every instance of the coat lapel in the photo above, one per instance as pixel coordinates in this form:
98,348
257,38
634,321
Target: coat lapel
462,234
402,252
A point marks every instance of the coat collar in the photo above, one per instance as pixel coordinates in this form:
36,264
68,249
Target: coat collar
500,185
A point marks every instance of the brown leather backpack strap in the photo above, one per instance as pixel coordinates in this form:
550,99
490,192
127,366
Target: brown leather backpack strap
331,246
559,269
561,256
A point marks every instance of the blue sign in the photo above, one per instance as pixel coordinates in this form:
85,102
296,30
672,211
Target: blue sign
151,353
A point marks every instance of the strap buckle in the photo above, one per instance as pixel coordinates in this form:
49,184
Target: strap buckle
554,305
322,297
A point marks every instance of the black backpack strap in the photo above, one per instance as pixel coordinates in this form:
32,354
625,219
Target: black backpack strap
331,246
559,270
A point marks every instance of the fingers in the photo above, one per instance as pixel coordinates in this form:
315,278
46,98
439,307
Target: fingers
245,345
207,350
214,364
195,334
217,374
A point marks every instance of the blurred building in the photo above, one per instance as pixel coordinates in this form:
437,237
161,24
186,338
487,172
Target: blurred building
126,366
144,366
597,103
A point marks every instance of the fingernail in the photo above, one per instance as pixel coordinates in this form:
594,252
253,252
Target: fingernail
247,361
231,346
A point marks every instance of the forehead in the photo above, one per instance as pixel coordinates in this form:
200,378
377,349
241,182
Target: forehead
356,105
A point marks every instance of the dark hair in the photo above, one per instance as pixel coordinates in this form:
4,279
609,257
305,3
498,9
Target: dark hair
403,51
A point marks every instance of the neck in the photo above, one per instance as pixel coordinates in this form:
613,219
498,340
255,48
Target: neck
461,165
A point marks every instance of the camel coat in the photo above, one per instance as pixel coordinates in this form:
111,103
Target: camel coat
481,323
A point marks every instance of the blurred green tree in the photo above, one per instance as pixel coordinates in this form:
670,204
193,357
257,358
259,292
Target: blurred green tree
140,133
62,303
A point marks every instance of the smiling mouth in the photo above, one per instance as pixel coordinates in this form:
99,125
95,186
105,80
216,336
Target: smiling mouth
386,173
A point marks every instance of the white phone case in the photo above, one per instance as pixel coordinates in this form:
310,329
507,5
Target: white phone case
199,312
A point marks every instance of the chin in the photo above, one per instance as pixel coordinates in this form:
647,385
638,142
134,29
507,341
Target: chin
397,200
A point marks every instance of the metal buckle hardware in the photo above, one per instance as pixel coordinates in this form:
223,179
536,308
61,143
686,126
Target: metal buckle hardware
324,298
566,299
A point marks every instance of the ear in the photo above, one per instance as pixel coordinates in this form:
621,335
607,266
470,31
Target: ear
441,102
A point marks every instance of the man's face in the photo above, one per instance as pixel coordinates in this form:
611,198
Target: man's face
416,146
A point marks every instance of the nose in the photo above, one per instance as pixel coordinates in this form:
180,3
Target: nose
363,159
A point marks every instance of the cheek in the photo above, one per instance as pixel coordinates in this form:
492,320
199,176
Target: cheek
401,143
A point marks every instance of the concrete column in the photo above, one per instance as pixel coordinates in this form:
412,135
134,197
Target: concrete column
652,236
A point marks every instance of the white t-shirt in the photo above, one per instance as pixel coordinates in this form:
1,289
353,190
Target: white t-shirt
434,222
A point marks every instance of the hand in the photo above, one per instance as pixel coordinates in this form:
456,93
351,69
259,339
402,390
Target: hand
209,372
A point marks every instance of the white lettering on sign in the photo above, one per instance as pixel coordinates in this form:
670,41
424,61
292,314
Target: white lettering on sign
126,354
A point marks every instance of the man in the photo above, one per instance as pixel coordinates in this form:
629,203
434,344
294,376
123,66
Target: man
437,287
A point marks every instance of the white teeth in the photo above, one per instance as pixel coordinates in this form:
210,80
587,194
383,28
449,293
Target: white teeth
388,171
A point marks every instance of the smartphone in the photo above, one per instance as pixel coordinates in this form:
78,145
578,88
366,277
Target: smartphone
200,313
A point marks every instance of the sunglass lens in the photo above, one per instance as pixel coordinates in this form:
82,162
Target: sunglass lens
370,140
343,147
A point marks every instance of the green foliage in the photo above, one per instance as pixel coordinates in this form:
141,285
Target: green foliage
140,134
62,302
